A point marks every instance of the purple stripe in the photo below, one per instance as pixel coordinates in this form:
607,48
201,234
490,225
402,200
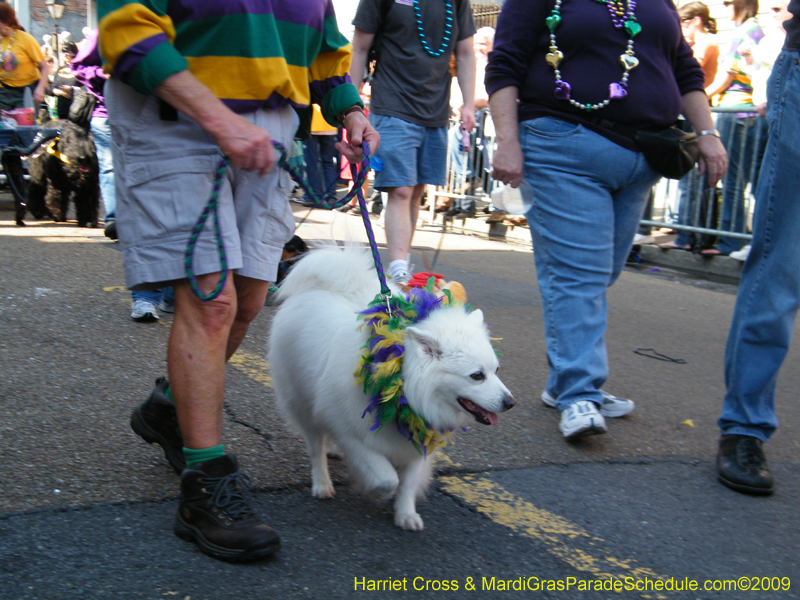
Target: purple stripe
131,58
274,102
320,88
310,13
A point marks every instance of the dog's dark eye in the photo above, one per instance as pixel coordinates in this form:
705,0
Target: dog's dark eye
478,376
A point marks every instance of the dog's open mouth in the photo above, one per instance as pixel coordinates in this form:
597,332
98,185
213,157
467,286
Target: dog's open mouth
481,415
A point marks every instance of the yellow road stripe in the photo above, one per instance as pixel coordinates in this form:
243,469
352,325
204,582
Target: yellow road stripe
548,529
251,365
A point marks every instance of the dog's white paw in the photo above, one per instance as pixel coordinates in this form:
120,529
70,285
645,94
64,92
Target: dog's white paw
323,491
410,521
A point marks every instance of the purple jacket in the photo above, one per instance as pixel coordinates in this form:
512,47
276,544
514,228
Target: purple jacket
592,47
88,69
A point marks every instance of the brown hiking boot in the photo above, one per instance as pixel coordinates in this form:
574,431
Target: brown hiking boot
156,421
216,513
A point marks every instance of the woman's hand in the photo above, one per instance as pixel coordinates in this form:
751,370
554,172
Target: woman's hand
713,158
508,163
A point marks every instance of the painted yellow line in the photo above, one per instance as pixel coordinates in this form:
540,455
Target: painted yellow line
552,531
251,365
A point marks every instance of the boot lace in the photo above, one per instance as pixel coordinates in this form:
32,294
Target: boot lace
750,453
232,494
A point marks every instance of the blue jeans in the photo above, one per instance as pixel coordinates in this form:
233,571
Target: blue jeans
769,291
101,131
155,296
589,195
744,139
322,165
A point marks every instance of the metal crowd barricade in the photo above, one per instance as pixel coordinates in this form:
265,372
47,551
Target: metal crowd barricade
469,174
686,205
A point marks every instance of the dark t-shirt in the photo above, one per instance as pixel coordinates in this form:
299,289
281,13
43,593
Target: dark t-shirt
409,83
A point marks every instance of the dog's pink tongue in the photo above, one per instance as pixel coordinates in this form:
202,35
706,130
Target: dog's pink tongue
475,409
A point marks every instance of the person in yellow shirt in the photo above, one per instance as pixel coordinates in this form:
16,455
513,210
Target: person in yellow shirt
22,63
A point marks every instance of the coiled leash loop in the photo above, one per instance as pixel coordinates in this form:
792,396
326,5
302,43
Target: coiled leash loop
359,174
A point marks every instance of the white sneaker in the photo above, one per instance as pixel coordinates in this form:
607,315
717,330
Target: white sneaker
399,271
166,308
741,254
581,419
144,311
612,406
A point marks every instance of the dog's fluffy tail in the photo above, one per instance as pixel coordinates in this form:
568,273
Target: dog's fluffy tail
347,271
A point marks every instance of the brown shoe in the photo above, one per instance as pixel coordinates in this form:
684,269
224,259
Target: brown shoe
155,421
496,217
216,513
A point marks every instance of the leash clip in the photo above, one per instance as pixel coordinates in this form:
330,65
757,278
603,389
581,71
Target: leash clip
387,298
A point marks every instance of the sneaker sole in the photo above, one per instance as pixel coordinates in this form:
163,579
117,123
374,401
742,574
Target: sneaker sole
190,534
142,429
146,318
745,489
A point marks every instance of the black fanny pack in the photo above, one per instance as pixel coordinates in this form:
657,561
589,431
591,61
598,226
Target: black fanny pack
671,152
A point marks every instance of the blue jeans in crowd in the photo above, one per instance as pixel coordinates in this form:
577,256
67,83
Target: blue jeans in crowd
744,140
101,131
461,166
322,165
167,295
769,291
589,195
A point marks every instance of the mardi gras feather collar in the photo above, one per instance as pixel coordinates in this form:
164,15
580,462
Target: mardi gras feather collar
380,367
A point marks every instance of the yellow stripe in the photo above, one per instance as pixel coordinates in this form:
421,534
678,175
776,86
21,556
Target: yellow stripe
553,532
129,25
331,64
251,78
251,365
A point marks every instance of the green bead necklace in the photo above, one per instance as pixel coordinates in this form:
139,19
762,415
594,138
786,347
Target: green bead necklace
622,18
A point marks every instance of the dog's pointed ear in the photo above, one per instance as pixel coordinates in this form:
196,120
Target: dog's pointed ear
476,315
428,342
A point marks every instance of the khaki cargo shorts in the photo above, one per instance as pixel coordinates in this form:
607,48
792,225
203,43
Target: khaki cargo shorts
164,176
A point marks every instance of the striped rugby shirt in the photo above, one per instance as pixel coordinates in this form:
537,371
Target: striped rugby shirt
250,53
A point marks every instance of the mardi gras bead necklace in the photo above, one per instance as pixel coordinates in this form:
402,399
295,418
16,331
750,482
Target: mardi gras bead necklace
380,367
622,18
448,28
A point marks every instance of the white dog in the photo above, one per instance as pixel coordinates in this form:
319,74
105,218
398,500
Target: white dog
449,372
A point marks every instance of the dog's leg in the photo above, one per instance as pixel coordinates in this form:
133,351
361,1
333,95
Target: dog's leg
413,480
321,484
375,474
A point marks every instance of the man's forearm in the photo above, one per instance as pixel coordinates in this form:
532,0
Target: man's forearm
187,94
358,64
465,71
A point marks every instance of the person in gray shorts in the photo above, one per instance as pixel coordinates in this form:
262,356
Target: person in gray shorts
410,102
173,117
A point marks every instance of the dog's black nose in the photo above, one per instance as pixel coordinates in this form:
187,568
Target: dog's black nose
509,402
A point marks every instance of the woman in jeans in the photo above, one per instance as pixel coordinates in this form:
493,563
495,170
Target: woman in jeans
562,73
743,133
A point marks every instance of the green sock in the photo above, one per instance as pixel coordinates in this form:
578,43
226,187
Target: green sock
193,457
168,394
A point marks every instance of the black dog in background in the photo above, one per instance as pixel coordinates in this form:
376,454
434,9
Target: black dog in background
62,170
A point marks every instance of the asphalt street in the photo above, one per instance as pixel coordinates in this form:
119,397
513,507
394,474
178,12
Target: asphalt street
86,507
